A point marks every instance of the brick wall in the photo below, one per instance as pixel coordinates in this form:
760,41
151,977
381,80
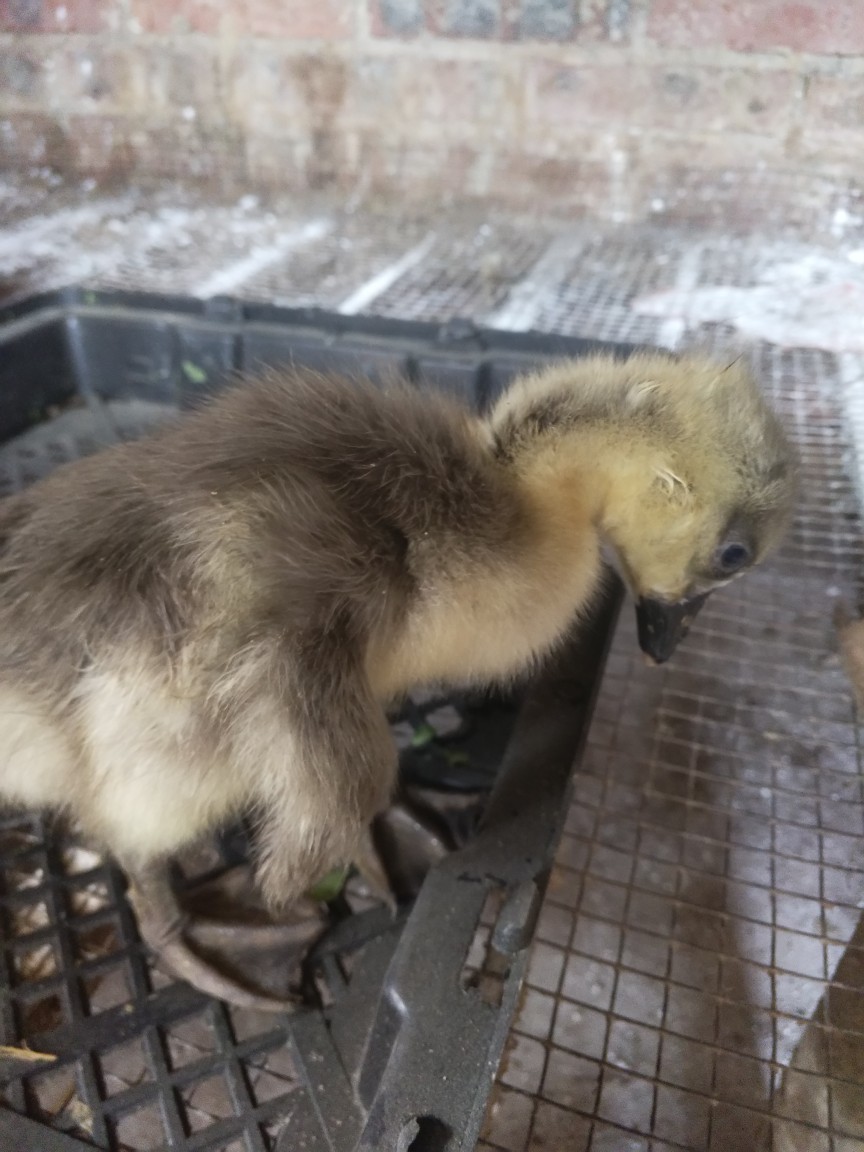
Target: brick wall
748,112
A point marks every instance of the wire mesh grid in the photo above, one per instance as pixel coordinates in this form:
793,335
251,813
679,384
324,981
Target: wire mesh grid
699,961
467,273
592,294
171,242
712,872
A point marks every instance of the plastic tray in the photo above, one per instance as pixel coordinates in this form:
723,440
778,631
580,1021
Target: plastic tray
404,1054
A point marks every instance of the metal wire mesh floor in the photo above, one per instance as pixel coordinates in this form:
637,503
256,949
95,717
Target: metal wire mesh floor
713,871
697,980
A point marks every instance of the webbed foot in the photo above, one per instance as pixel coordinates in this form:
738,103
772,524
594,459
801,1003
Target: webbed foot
216,954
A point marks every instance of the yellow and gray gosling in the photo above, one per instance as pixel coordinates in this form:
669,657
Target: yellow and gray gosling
211,621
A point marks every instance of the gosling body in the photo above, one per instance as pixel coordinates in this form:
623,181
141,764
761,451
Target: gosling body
212,620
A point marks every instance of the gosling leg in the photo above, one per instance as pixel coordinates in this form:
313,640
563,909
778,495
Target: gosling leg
181,942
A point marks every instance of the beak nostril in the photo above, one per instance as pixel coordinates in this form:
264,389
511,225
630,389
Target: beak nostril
663,624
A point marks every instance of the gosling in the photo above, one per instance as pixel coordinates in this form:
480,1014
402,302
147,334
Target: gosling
211,621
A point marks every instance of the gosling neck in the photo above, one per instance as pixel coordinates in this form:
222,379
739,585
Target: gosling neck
587,466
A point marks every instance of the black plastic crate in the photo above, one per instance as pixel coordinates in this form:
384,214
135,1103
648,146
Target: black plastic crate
404,1053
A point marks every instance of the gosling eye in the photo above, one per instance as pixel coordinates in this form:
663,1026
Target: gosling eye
731,558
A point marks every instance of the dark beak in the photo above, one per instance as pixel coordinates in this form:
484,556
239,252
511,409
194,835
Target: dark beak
663,624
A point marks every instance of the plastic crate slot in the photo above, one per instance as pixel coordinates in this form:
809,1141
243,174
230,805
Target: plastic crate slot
485,967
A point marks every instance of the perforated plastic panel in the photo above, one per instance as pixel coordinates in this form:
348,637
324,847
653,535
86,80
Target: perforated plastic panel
140,1062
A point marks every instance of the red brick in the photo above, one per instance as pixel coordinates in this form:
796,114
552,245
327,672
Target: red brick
400,18
526,181
322,80
57,15
100,148
690,99
261,90
714,153
270,90
474,19
181,81
295,19
184,152
412,170
548,21
589,21
95,78
23,70
33,139
834,27
374,93
79,15
270,19
832,127
464,98
164,16
423,101
835,103
275,162
21,15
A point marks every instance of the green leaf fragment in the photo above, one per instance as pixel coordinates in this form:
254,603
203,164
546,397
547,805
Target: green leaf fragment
423,734
457,758
329,887
193,372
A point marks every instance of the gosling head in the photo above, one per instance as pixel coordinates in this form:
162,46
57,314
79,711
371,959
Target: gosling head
691,475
